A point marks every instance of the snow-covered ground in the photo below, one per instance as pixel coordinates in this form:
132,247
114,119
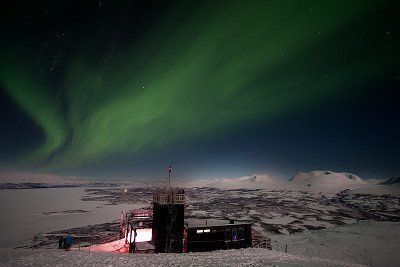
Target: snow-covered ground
393,190
241,257
308,213
367,242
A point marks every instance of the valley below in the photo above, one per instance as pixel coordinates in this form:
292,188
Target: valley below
300,220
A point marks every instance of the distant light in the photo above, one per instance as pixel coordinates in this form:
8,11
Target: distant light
199,231
206,230
125,190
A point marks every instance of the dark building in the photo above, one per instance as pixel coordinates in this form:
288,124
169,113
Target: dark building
168,220
165,230
208,235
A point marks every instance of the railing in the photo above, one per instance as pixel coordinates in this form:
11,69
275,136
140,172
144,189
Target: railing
262,243
163,198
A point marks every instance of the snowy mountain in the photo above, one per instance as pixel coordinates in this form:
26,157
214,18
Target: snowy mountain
326,181
254,181
45,178
28,180
311,181
392,181
318,181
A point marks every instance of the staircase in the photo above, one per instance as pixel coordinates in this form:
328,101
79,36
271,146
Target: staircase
260,241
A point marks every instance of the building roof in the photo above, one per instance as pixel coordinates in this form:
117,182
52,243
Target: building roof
204,223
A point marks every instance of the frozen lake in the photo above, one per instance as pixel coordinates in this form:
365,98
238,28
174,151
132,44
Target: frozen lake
21,213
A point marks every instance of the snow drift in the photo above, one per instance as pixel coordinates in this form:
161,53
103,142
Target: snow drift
239,257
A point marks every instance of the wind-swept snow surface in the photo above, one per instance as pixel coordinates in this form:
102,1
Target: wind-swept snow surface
367,242
241,257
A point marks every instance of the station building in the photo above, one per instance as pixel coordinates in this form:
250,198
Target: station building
165,229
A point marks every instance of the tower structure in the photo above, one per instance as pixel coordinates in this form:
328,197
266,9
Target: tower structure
168,220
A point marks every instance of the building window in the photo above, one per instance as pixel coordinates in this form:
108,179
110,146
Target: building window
234,234
237,234
228,235
241,233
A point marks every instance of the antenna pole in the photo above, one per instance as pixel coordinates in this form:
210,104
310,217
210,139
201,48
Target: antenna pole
171,201
169,179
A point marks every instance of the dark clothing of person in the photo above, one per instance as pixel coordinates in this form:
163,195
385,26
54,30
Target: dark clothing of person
60,242
132,247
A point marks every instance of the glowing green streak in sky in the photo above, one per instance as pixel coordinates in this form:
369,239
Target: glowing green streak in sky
198,76
32,98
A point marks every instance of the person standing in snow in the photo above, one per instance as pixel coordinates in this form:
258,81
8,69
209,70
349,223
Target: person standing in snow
35,242
132,247
60,242
68,242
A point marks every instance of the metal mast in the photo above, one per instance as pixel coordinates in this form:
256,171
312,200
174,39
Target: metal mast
169,179
171,202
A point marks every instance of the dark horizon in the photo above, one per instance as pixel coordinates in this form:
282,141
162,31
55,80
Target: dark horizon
215,89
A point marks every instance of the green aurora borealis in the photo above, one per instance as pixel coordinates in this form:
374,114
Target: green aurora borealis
113,82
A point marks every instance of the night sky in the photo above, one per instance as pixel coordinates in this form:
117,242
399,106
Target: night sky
120,89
